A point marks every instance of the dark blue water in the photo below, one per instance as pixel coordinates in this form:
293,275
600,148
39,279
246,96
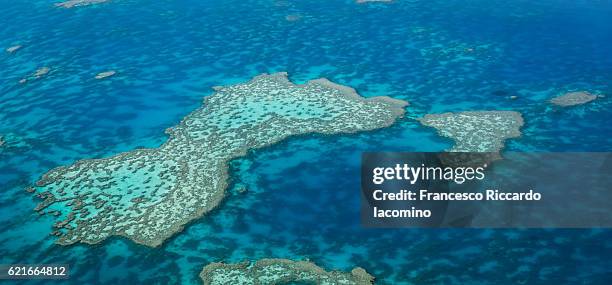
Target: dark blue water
302,199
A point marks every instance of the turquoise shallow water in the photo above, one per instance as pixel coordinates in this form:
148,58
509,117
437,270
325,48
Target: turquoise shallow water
439,55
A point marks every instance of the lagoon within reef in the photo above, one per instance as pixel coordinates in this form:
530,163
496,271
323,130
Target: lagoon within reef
147,195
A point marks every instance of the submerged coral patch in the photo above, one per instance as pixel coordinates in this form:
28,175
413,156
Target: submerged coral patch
36,75
77,3
573,98
478,131
368,1
105,74
280,271
13,49
147,195
41,72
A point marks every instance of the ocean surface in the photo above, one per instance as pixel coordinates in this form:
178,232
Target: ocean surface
303,194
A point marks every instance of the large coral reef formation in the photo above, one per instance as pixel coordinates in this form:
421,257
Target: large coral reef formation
280,271
147,195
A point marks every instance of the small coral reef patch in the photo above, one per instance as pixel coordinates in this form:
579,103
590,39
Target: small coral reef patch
43,71
280,271
573,98
477,131
77,3
13,49
147,195
12,141
368,1
105,74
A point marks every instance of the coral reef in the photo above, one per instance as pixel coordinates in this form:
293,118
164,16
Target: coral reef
13,49
368,1
148,195
77,3
478,131
10,141
280,271
36,75
573,98
41,72
105,74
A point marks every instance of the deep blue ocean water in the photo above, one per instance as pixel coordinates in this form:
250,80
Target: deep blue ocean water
302,200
